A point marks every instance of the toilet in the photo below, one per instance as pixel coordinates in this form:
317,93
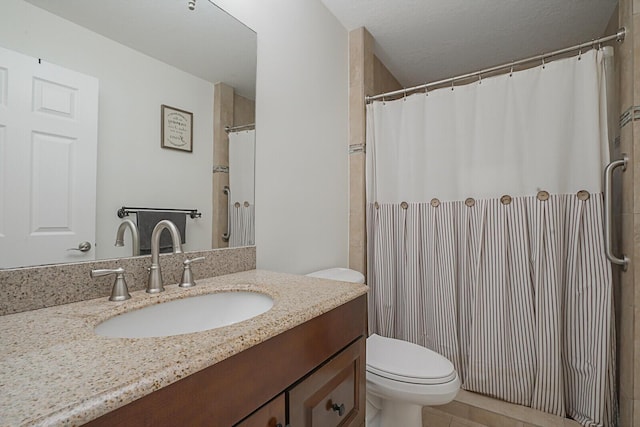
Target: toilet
402,377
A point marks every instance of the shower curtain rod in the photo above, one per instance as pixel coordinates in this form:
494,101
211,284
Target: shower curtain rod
618,36
229,129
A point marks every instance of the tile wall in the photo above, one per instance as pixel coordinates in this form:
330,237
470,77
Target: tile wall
367,76
628,298
474,410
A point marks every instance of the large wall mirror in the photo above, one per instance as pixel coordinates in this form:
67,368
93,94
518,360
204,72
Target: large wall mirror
166,88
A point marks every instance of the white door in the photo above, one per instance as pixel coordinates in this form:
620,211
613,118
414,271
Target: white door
48,147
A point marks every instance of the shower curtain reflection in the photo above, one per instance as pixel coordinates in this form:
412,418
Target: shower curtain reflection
241,181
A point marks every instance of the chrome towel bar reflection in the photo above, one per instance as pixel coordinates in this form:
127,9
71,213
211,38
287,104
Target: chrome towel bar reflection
608,206
230,129
125,211
227,235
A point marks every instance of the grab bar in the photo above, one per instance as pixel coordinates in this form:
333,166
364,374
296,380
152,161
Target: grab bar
227,235
608,174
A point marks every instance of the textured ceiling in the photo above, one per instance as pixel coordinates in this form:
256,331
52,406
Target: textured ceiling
426,40
206,42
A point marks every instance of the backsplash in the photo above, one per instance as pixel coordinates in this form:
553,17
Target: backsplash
31,288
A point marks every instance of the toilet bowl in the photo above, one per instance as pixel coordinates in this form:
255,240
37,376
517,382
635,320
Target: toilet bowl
402,377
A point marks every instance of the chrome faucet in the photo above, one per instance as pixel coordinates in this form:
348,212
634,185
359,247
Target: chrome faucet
155,275
119,291
135,236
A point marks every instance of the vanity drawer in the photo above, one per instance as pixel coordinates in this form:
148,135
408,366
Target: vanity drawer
270,415
330,396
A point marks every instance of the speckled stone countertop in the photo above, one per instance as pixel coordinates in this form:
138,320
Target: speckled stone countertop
54,370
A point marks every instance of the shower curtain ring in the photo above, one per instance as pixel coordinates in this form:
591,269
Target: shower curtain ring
511,72
543,66
452,80
479,79
404,98
579,54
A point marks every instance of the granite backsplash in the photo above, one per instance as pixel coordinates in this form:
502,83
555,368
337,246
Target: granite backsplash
32,288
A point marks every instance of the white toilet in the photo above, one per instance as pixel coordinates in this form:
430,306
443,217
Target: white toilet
402,377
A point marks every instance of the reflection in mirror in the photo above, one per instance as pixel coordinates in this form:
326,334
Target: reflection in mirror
241,188
133,57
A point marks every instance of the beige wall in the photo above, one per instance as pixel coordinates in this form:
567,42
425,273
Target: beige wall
383,80
367,76
244,110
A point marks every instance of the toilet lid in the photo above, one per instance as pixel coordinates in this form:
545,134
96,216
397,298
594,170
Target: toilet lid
407,362
340,274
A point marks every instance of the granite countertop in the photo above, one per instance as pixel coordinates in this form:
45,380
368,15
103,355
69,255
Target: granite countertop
54,370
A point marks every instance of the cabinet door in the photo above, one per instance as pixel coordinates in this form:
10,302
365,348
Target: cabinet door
334,394
270,415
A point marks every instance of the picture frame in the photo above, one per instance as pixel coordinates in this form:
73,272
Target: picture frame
177,129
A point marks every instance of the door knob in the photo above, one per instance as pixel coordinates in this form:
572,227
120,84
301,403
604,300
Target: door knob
82,247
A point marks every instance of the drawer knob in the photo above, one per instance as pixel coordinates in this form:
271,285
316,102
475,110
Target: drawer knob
338,408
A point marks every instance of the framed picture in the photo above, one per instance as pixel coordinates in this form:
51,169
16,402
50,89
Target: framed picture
177,129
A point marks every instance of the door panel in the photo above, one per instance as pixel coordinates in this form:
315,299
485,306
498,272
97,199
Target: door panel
55,99
48,179
51,184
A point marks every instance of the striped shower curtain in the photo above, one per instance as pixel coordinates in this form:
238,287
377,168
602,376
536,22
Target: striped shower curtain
484,227
242,184
242,231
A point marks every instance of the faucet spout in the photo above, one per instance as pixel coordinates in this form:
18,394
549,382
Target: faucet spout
155,274
135,236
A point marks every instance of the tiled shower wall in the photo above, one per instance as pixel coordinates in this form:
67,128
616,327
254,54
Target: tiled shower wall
628,62
367,76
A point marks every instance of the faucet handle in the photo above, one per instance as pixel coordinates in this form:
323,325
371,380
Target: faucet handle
193,260
187,275
119,292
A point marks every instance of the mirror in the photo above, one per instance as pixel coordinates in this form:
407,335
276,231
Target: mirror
144,54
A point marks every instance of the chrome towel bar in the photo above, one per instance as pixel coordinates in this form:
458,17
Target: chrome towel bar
608,206
126,210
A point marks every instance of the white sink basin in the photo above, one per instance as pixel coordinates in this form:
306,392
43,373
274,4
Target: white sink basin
184,316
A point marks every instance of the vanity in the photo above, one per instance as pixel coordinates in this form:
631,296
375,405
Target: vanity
301,363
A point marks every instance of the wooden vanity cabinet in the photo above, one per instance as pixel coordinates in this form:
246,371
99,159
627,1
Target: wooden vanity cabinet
273,414
329,397
310,368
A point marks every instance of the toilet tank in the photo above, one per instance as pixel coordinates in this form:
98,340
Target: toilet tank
340,274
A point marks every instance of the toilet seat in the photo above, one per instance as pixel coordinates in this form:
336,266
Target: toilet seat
340,274
407,362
